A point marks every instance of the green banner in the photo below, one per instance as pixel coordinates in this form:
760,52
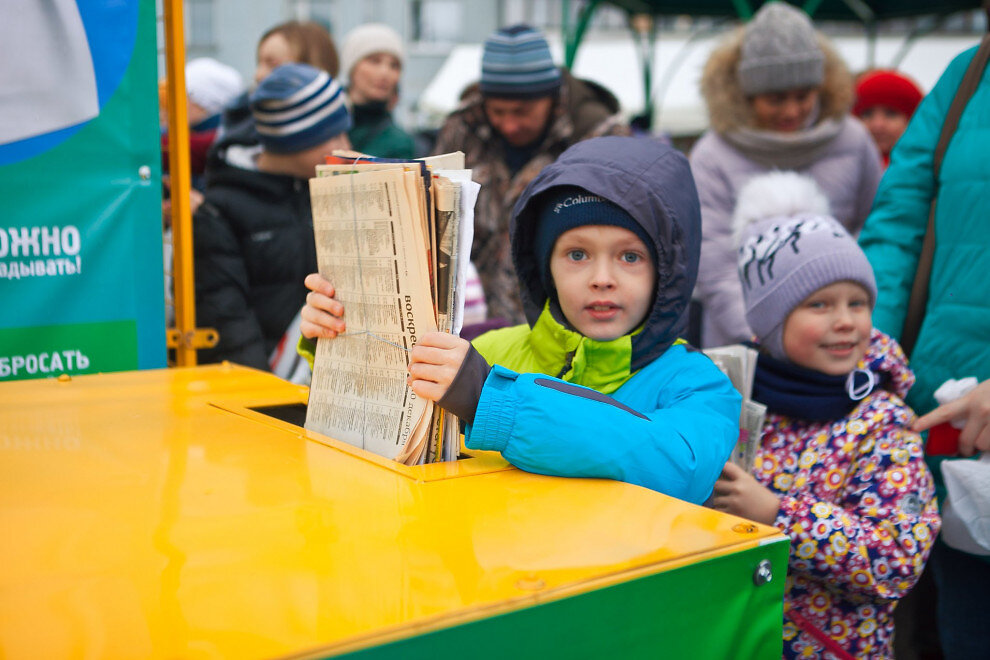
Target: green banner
81,271
79,348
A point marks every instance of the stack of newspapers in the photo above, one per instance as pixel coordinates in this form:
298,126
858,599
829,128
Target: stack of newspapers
394,239
738,362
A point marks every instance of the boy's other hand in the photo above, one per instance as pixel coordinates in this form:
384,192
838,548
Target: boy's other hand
322,315
434,362
975,407
739,493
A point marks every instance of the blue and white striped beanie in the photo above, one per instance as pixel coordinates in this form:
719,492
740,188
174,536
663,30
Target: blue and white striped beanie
516,64
298,107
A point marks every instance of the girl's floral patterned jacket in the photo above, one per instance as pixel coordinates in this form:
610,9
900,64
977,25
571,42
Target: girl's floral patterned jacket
858,503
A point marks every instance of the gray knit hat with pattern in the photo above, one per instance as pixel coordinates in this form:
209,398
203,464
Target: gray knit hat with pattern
784,260
780,51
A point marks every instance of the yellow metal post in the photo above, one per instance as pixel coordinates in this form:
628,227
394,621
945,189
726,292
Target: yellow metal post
179,168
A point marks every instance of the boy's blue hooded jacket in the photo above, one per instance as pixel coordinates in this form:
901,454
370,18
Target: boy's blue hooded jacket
643,408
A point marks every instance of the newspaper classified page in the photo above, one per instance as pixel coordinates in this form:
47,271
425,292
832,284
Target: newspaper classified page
370,244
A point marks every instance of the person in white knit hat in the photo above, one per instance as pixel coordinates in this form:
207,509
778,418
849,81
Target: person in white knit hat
210,86
371,61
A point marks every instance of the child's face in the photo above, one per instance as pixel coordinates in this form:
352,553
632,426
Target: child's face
886,125
829,331
604,278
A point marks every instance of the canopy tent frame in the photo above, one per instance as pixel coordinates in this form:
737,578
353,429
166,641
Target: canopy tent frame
643,25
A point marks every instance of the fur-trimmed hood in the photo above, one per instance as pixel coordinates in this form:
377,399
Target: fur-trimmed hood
728,108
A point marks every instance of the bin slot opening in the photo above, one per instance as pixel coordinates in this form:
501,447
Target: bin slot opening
295,414
292,413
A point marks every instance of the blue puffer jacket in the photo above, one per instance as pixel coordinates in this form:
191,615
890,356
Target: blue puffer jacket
642,408
955,336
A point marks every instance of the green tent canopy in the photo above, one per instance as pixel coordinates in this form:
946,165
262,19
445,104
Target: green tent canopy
827,10
867,12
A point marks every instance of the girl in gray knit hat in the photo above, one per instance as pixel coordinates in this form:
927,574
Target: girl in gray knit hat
838,468
778,98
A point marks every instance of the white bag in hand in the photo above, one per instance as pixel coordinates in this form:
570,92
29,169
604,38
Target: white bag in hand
966,514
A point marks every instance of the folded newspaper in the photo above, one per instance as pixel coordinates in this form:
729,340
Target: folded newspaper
394,239
738,362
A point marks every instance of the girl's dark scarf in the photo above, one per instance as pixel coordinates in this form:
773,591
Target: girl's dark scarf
800,393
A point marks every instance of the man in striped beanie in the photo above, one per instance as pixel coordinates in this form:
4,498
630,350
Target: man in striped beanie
524,112
520,83
300,115
253,235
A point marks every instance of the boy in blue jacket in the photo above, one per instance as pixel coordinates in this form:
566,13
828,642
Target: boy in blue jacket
605,242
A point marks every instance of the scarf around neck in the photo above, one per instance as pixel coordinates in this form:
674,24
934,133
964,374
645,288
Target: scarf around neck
800,393
775,149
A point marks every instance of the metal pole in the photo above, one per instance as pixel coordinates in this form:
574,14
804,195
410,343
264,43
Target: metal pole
743,10
644,31
573,40
179,172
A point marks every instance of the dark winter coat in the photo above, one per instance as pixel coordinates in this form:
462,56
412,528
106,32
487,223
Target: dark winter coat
253,246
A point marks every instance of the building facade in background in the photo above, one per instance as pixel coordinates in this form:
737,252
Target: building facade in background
228,30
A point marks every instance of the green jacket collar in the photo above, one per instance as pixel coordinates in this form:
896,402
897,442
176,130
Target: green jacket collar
569,355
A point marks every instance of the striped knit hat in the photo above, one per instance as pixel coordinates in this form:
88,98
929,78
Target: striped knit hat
516,64
298,107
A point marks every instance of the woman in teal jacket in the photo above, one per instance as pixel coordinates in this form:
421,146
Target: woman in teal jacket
954,340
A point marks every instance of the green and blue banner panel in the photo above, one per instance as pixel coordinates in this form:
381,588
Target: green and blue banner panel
81,273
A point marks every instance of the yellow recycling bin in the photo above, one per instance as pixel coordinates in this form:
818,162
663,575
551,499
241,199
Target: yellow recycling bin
183,513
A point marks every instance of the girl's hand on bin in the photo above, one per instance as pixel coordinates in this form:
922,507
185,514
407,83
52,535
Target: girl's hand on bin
322,315
434,362
975,407
739,493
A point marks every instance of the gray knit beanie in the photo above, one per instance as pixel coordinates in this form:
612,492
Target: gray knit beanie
780,51
783,260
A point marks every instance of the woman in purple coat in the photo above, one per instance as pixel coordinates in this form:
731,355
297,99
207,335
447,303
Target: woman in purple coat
778,97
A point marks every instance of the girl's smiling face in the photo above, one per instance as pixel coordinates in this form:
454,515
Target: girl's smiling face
829,331
604,277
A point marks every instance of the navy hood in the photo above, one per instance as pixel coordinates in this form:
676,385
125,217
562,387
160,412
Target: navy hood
652,182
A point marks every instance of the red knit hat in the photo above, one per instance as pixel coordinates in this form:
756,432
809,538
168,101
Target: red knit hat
889,88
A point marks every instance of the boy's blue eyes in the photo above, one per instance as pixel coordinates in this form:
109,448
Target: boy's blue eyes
628,257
